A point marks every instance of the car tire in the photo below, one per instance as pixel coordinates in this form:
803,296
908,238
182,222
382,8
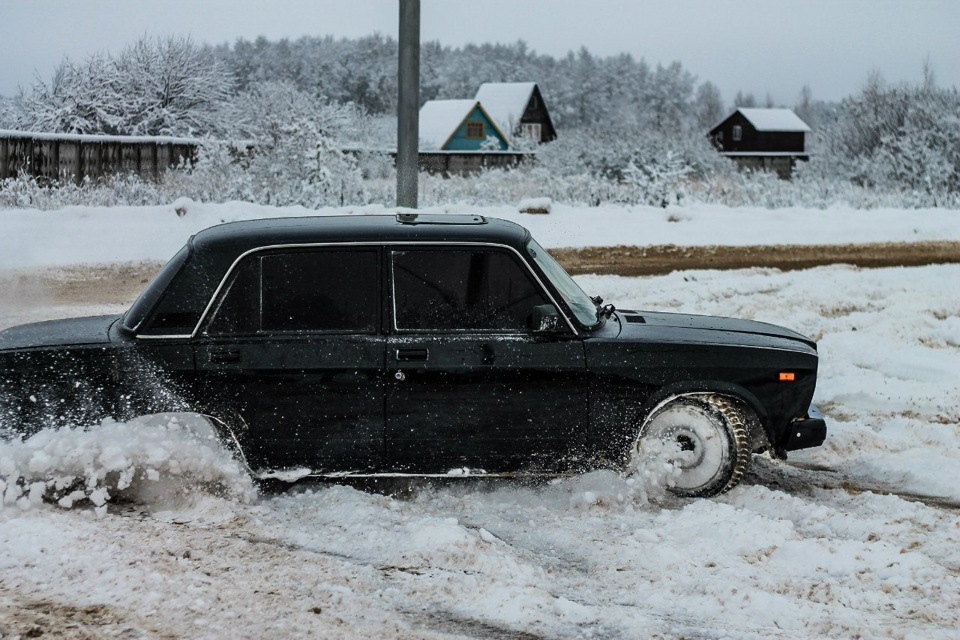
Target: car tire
713,437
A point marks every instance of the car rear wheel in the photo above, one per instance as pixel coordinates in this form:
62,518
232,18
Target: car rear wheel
705,436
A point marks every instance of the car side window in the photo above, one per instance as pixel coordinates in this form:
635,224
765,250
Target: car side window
325,290
462,290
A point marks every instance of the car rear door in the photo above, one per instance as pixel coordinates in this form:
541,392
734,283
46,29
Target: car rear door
293,352
469,384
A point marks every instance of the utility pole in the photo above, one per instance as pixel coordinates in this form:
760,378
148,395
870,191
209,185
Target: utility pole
408,104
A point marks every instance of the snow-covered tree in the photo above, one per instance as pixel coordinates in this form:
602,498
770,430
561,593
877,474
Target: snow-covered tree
804,106
157,86
270,110
708,105
7,117
746,101
288,148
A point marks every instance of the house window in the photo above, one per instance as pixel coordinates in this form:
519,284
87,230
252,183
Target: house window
720,136
475,130
532,131
737,133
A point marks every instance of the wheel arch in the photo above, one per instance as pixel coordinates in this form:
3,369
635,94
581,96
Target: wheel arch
738,393
715,387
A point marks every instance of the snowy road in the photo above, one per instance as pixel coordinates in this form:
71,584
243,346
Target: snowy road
794,552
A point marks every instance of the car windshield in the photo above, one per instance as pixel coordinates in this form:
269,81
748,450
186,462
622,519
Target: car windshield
578,302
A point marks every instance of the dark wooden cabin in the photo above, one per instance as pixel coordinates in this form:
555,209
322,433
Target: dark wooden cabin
766,139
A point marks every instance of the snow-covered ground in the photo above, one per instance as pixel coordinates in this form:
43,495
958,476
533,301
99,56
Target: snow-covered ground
859,538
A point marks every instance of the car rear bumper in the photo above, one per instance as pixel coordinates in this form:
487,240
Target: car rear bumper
807,432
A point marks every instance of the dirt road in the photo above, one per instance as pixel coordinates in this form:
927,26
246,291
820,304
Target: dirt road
641,261
119,284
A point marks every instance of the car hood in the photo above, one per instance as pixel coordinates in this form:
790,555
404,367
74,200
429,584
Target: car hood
713,329
57,333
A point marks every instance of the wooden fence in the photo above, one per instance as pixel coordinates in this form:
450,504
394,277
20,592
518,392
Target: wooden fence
447,163
67,157
453,163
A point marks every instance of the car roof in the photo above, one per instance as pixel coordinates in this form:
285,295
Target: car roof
238,237
213,251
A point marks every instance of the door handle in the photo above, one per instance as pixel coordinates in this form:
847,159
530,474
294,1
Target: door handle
408,355
221,357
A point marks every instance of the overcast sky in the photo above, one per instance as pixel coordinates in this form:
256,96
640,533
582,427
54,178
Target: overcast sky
757,46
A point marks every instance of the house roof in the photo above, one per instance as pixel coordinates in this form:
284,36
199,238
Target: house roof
440,119
505,102
774,119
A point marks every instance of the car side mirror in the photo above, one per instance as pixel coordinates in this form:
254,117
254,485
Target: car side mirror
545,319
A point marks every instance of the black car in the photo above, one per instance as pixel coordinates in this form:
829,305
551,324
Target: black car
416,344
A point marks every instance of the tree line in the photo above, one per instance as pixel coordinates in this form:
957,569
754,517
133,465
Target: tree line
174,86
619,118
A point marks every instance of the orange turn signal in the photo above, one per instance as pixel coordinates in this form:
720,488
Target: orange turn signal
787,376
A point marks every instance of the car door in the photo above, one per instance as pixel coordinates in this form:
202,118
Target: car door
293,352
470,384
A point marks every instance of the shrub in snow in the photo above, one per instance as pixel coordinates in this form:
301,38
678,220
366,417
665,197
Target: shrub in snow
27,192
659,183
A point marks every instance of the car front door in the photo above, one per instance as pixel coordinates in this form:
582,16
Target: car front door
469,384
293,353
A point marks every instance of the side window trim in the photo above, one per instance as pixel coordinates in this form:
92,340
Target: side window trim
226,277
259,256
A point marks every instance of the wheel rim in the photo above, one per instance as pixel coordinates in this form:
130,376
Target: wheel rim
694,440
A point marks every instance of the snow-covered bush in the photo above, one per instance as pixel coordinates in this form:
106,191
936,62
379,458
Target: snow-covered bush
903,138
300,168
641,165
289,149
27,192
